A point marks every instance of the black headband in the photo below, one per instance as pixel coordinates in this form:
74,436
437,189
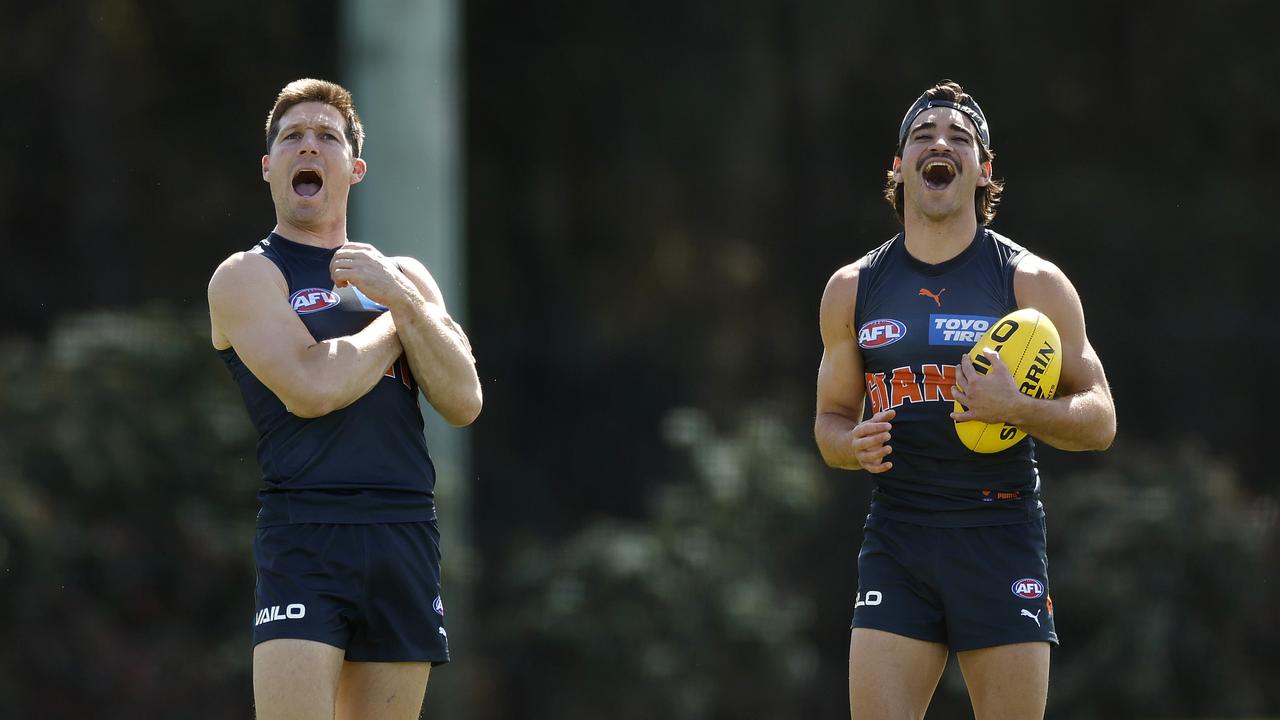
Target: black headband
968,107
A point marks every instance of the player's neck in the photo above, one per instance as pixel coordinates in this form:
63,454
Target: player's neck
330,235
934,240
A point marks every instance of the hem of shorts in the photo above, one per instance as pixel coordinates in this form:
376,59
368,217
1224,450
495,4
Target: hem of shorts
428,657
401,657
331,643
984,644
897,631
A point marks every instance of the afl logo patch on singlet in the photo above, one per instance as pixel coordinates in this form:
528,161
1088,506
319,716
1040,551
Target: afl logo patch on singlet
313,300
879,333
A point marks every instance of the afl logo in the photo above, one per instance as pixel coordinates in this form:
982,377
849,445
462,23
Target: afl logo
438,606
879,333
313,300
1029,588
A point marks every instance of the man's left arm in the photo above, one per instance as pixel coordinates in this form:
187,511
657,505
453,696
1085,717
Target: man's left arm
438,351
1082,414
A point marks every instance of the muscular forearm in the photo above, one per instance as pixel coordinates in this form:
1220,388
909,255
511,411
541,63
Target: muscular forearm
834,435
439,358
340,371
1080,421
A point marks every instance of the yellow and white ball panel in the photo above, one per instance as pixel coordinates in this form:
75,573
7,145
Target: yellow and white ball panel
1029,344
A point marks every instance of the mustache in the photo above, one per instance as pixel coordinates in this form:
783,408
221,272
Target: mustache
939,156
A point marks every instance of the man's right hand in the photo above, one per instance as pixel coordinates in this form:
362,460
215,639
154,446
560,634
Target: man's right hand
870,441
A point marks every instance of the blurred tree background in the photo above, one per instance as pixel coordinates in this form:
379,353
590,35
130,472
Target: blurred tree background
656,195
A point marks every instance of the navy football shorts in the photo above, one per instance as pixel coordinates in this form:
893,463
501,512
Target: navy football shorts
967,587
373,590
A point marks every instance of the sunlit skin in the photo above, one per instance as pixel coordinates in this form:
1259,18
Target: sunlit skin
310,168
893,676
940,222
312,137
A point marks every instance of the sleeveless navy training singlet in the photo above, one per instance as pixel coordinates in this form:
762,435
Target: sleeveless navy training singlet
914,322
365,463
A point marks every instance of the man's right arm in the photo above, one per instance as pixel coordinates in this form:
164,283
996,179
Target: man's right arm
249,310
844,440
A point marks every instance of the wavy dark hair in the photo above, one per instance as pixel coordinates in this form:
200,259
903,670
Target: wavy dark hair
985,198
321,91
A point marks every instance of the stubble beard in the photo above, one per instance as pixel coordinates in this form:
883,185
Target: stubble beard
937,210
292,209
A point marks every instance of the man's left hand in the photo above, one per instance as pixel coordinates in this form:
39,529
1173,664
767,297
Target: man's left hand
375,274
990,397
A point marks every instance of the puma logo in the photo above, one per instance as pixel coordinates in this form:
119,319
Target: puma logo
926,292
1035,617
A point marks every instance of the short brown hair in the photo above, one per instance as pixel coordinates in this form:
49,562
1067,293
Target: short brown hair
985,198
321,91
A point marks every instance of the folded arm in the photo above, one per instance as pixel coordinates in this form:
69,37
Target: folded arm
249,310
1082,414
438,350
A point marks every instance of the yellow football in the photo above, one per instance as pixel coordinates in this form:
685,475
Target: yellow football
1029,344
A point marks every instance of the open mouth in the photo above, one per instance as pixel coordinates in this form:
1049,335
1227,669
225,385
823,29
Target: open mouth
307,182
938,174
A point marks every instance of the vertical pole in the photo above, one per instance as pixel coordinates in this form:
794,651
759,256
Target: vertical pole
402,64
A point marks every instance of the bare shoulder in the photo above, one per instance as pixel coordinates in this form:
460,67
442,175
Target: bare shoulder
1040,284
1033,268
843,283
838,300
241,270
242,288
421,277
842,289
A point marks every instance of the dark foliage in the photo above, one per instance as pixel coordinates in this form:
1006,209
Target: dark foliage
656,194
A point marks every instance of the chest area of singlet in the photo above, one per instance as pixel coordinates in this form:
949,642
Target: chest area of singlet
326,311
925,323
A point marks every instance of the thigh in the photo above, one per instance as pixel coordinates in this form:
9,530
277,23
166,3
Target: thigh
1008,682
388,691
892,677
295,679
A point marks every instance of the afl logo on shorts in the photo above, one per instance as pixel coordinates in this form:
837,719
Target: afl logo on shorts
879,333
438,606
1028,588
313,300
